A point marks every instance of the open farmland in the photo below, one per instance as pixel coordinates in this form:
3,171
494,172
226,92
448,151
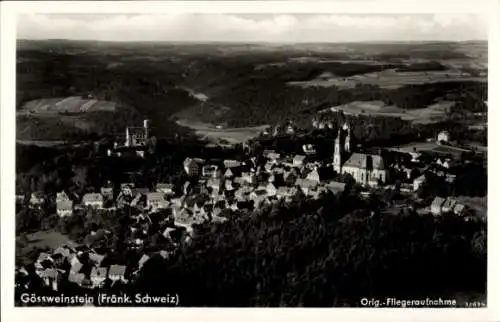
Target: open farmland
72,104
433,113
430,147
232,135
390,79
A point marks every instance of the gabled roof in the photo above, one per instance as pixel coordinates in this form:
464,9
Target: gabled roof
299,158
64,205
231,163
365,161
449,203
76,267
130,185
155,196
164,186
76,278
305,183
63,251
143,260
459,208
437,202
62,196
420,178
335,186
117,270
96,257
43,256
99,272
106,190
92,197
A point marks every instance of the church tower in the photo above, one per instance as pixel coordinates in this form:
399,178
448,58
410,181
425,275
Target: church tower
337,154
347,142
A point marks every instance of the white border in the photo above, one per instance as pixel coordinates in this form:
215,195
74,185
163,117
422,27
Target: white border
10,9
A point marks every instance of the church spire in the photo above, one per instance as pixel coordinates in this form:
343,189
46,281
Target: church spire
347,142
337,154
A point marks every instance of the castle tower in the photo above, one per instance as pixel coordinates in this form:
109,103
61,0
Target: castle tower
337,154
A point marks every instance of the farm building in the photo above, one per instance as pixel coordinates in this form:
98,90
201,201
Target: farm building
443,137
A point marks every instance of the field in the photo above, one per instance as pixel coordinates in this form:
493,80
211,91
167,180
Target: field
50,239
389,79
433,113
231,135
71,104
237,85
432,147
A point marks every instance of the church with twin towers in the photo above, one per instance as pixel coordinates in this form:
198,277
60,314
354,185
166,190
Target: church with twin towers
366,169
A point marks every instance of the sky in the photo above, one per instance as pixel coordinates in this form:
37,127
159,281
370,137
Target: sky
254,27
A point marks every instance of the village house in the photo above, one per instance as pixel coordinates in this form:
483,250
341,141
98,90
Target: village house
271,155
271,190
290,177
313,176
448,205
443,137
228,174
96,258
335,187
166,188
36,200
42,258
98,276
107,193
249,177
228,164
117,273
127,188
215,185
76,278
309,149
228,185
61,196
417,183
20,198
94,200
64,251
167,232
209,170
191,167
137,200
436,206
142,261
459,209
156,201
64,208
306,185
298,161
49,277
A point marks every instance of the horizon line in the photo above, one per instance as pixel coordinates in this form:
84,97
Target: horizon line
252,42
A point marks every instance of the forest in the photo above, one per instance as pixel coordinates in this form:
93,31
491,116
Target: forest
240,93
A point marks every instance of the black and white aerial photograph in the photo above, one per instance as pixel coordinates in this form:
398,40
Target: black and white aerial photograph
251,160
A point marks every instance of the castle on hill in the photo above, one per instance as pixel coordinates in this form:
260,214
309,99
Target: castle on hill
366,169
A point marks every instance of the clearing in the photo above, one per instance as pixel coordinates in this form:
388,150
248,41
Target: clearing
390,79
431,114
71,104
232,135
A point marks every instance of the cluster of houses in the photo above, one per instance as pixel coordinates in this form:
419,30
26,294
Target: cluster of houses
83,267
214,189
441,206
